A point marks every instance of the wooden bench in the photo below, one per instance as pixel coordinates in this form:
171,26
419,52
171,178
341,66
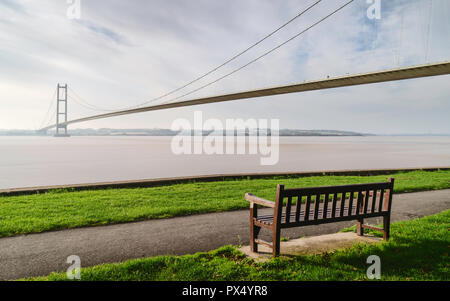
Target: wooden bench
320,205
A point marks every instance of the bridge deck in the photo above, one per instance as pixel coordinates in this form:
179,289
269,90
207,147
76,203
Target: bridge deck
428,70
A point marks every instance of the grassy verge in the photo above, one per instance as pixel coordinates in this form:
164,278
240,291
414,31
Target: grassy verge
57,210
418,250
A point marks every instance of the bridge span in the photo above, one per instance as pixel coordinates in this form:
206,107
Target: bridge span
442,68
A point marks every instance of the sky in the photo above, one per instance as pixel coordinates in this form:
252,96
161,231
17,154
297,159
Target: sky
119,54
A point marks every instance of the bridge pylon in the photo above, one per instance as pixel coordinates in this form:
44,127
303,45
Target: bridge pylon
61,111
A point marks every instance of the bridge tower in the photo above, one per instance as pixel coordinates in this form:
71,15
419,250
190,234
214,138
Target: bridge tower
61,111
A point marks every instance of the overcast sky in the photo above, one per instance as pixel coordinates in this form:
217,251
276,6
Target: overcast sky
122,53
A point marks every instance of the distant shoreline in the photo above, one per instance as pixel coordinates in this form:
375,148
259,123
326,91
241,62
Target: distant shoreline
106,132
168,132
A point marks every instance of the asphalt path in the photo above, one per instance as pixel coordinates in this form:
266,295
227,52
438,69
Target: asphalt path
43,253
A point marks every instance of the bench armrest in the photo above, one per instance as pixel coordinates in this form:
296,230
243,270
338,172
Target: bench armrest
256,200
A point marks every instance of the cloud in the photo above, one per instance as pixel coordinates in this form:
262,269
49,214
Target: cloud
121,53
103,31
10,4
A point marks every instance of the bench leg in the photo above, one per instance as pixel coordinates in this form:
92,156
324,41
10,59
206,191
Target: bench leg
254,231
359,227
386,226
276,241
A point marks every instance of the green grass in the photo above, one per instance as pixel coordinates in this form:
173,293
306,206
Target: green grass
417,250
63,209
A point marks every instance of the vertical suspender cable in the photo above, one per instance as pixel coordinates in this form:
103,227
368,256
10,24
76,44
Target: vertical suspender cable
430,17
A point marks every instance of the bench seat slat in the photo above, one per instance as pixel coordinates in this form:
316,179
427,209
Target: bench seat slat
269,218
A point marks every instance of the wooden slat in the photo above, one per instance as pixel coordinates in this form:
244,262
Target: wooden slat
269,218
331,220
350,204
263,242
298,208
334,189
316,206
374,200
341,213
333,210
325,206
366,201
386,199
257,200
267,225
380,201
359,197
307,206
253,233
389,201
372,228
288,209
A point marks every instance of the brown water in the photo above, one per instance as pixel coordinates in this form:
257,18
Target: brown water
36,161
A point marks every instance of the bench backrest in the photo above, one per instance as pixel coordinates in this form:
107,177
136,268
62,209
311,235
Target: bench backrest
332,202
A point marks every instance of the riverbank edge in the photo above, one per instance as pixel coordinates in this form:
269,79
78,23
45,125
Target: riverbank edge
206,178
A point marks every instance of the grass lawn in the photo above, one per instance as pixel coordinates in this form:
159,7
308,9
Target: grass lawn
57,210
417,250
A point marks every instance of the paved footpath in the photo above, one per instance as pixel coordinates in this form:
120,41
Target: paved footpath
41,254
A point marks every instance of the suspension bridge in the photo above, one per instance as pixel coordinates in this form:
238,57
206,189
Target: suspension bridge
329,83
397,74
